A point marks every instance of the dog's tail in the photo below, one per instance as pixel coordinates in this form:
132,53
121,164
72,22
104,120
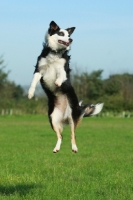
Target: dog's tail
90,110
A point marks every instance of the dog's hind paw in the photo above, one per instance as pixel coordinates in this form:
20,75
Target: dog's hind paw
55,150
74,148
57,147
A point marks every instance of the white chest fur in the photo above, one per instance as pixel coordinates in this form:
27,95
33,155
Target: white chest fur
52,71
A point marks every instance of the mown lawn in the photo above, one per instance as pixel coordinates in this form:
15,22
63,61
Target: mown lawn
101,170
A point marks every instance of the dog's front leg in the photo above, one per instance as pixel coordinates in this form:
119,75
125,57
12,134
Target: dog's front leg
36,78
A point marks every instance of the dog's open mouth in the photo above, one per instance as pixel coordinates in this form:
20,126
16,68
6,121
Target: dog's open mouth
64,43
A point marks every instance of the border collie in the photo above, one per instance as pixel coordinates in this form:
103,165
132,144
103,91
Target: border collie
53,72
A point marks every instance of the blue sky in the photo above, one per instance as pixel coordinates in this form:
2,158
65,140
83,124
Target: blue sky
103,38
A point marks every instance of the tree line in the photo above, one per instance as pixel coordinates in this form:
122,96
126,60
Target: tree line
116,92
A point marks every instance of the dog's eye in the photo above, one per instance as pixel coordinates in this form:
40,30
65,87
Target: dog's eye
61,34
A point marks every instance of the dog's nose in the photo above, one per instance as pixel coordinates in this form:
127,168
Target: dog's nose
70,40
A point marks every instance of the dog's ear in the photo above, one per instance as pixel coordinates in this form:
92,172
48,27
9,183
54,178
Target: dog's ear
53,27
70,30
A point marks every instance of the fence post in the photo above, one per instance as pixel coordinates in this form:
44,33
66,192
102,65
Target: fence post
123,114
11,112
2,112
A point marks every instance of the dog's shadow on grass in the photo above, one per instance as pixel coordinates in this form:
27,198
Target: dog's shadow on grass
21,189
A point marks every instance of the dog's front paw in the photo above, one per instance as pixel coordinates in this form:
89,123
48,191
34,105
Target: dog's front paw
58,82
31,92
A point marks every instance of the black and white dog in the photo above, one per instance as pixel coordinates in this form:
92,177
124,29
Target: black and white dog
52,70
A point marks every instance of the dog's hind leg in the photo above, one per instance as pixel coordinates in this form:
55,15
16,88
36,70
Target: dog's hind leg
56,118
73,138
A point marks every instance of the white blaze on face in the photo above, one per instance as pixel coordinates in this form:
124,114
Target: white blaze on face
59,41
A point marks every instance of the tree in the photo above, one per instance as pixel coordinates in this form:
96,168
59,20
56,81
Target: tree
96,85
9,91
116,91
112,85
88,86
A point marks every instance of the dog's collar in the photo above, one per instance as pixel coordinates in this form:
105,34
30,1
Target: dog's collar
55,52
61,51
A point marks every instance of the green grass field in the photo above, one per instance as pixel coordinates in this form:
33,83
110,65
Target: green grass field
101,170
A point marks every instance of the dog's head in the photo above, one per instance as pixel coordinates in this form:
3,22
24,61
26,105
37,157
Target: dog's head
58,39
